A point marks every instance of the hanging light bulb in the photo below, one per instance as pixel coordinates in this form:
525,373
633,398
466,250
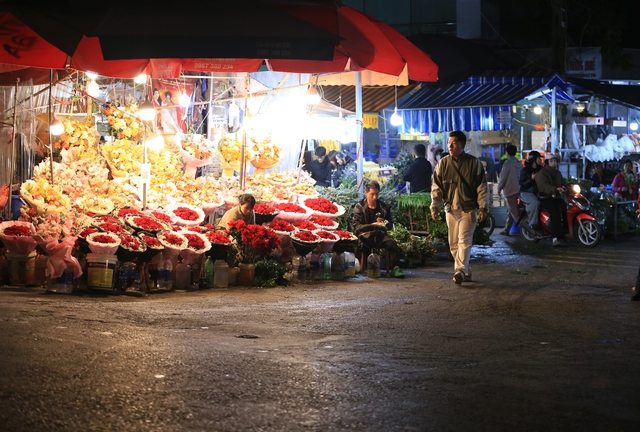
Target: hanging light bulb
93,89
312,97
633,126
56,127
184,100
146,111
396,120
91,75
155,143
140,79
537,110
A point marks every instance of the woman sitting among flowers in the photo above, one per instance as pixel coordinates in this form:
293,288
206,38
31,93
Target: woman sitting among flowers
243,211
625,183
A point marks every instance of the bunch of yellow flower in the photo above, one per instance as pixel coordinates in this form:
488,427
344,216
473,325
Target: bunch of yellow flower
263,149
165,164
123,157
77,133
196,146
229,149
123,122
44,197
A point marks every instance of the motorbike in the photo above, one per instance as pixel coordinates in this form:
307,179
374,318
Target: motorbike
580,221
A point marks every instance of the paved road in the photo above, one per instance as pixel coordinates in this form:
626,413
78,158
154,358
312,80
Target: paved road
544,339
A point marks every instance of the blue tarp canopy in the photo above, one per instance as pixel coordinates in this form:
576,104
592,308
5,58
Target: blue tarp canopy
478,103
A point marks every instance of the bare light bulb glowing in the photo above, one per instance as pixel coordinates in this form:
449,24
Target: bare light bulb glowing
155,143
537,110
184,100
396,120
140,79
91,75
633,126
56,127
93,89
146,111
313,97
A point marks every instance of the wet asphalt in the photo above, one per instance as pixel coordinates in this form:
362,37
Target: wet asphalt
543,339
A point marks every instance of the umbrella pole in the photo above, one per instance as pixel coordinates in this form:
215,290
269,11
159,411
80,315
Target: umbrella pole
13,146
360,143
50,122
301,160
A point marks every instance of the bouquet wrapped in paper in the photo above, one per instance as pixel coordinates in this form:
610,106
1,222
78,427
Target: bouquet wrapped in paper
59,254
195,151
17,236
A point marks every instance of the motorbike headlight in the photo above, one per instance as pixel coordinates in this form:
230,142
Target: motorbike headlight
576,188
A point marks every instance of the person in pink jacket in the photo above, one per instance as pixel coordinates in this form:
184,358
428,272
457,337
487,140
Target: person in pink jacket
625,183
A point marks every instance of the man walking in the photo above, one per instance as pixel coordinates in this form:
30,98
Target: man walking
509,185
460,183
419,173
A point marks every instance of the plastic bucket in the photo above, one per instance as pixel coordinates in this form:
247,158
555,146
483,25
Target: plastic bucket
22,267
101,269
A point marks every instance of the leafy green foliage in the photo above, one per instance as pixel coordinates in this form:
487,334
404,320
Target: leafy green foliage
412,246
270,273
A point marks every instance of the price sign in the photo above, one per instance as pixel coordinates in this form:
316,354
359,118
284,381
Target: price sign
145,173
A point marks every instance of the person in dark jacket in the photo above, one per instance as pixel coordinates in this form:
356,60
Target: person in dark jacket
550,184
320,168
420,171
371,210
340,162
529,190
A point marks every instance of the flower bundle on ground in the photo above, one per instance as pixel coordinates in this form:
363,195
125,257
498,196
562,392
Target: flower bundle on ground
254,241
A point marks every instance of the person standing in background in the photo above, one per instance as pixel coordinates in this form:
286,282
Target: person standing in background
509,185
420,172
320,168
625,183
460,183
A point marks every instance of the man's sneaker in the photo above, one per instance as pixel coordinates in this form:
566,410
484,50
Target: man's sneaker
458,277
555,243
467,277
396,273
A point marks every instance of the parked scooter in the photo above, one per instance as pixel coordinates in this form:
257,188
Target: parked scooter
582,224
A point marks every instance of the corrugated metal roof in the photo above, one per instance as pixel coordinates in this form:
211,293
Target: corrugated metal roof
485,91
374,99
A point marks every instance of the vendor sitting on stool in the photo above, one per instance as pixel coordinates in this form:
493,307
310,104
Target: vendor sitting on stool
371,210
243,211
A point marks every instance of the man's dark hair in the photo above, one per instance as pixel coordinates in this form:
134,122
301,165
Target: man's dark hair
511,150
460,136
420,150
320,151
247,199
372,185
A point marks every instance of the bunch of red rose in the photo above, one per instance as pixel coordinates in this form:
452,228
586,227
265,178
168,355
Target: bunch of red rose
254,241
321,205
281,225
290,208
265,209
322,221
305,225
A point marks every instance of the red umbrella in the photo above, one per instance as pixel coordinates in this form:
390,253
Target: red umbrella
107,39
366,43
24,47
